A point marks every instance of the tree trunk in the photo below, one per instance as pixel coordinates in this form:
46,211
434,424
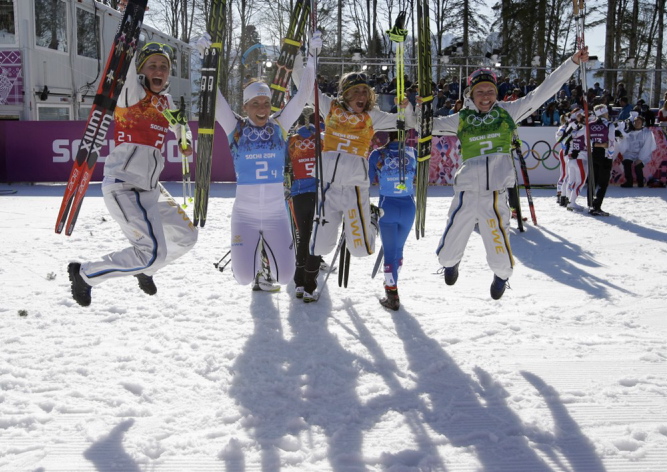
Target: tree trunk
657,78
609,49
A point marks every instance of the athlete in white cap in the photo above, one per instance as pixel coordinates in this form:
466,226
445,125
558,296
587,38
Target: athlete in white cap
258,142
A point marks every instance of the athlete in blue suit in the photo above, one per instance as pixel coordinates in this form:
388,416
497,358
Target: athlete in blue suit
398,204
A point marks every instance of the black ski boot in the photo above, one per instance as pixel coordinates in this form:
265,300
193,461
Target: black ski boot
498,287
452,274
146,284
391,301
80,289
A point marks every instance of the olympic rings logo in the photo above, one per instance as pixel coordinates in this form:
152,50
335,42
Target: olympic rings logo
254,134
476,120
541,151
160,102
304,144
391,162
343,116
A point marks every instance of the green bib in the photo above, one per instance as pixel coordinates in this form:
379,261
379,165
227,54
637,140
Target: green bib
485,133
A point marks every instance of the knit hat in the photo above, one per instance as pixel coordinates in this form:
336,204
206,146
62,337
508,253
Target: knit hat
256,89
480,76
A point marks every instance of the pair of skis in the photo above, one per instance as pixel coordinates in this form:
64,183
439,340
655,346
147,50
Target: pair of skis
288,52
426,115
210,76
101,114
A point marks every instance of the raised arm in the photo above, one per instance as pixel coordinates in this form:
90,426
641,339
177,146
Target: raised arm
224,114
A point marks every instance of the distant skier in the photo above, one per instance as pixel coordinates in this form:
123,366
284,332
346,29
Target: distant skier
603,139
150,218
576,157
637,148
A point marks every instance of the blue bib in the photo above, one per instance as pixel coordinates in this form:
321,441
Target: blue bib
258,152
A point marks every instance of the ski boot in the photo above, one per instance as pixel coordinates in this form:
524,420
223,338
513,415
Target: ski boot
391,301
146,284
80,289
265,283
498,287
452,274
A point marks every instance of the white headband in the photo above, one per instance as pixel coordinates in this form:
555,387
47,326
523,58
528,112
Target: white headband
601,111
256,89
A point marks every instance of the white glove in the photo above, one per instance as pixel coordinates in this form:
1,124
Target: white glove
315,43
203,43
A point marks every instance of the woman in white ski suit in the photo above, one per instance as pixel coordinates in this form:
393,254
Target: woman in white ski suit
157,227
350,123
258,143
484,128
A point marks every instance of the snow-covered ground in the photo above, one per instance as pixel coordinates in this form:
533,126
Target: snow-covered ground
567,372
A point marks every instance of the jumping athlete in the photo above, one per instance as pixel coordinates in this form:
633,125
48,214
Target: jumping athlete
157,227
484,128
351,120
398,206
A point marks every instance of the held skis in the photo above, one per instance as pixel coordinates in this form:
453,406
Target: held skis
210,74
101,114
288,52
426,115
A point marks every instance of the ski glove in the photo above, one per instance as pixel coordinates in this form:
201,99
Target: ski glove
315,44
203,43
